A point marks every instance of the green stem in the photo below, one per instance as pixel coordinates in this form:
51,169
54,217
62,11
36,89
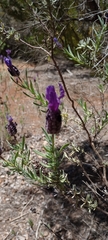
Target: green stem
53,152
53,144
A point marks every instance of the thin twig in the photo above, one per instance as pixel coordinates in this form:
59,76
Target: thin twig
22,215
100,60
103,211
39,223
95,192
105,175
35,47
26,205
8,235
57,235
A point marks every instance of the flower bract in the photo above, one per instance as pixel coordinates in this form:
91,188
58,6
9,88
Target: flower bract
53,99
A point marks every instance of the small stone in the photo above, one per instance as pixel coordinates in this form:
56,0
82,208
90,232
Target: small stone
45,233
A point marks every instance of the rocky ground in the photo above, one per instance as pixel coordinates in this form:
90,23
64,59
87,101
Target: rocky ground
30,212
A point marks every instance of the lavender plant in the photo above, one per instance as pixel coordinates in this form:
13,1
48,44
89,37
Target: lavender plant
19,160
56,176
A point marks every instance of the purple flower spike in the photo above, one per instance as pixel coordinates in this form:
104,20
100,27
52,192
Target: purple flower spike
53,99
53,117
11,126
11,68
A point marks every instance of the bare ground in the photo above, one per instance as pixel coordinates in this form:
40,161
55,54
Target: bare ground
27,211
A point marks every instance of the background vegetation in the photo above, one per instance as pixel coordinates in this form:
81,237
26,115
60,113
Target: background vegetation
31,21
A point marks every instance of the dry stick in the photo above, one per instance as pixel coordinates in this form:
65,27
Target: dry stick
94,190
26,205
39,224
87,176
8,236
83,124
38,47
94,116
100,209
22,215
49,228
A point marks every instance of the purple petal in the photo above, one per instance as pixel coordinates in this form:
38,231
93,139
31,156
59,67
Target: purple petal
55,39
1,56
8,51
8,62
52,98
58,44
62,92
9,118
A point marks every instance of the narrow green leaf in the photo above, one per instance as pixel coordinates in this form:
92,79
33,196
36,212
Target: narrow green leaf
47,136
32,88
63,147
40,153
28,95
